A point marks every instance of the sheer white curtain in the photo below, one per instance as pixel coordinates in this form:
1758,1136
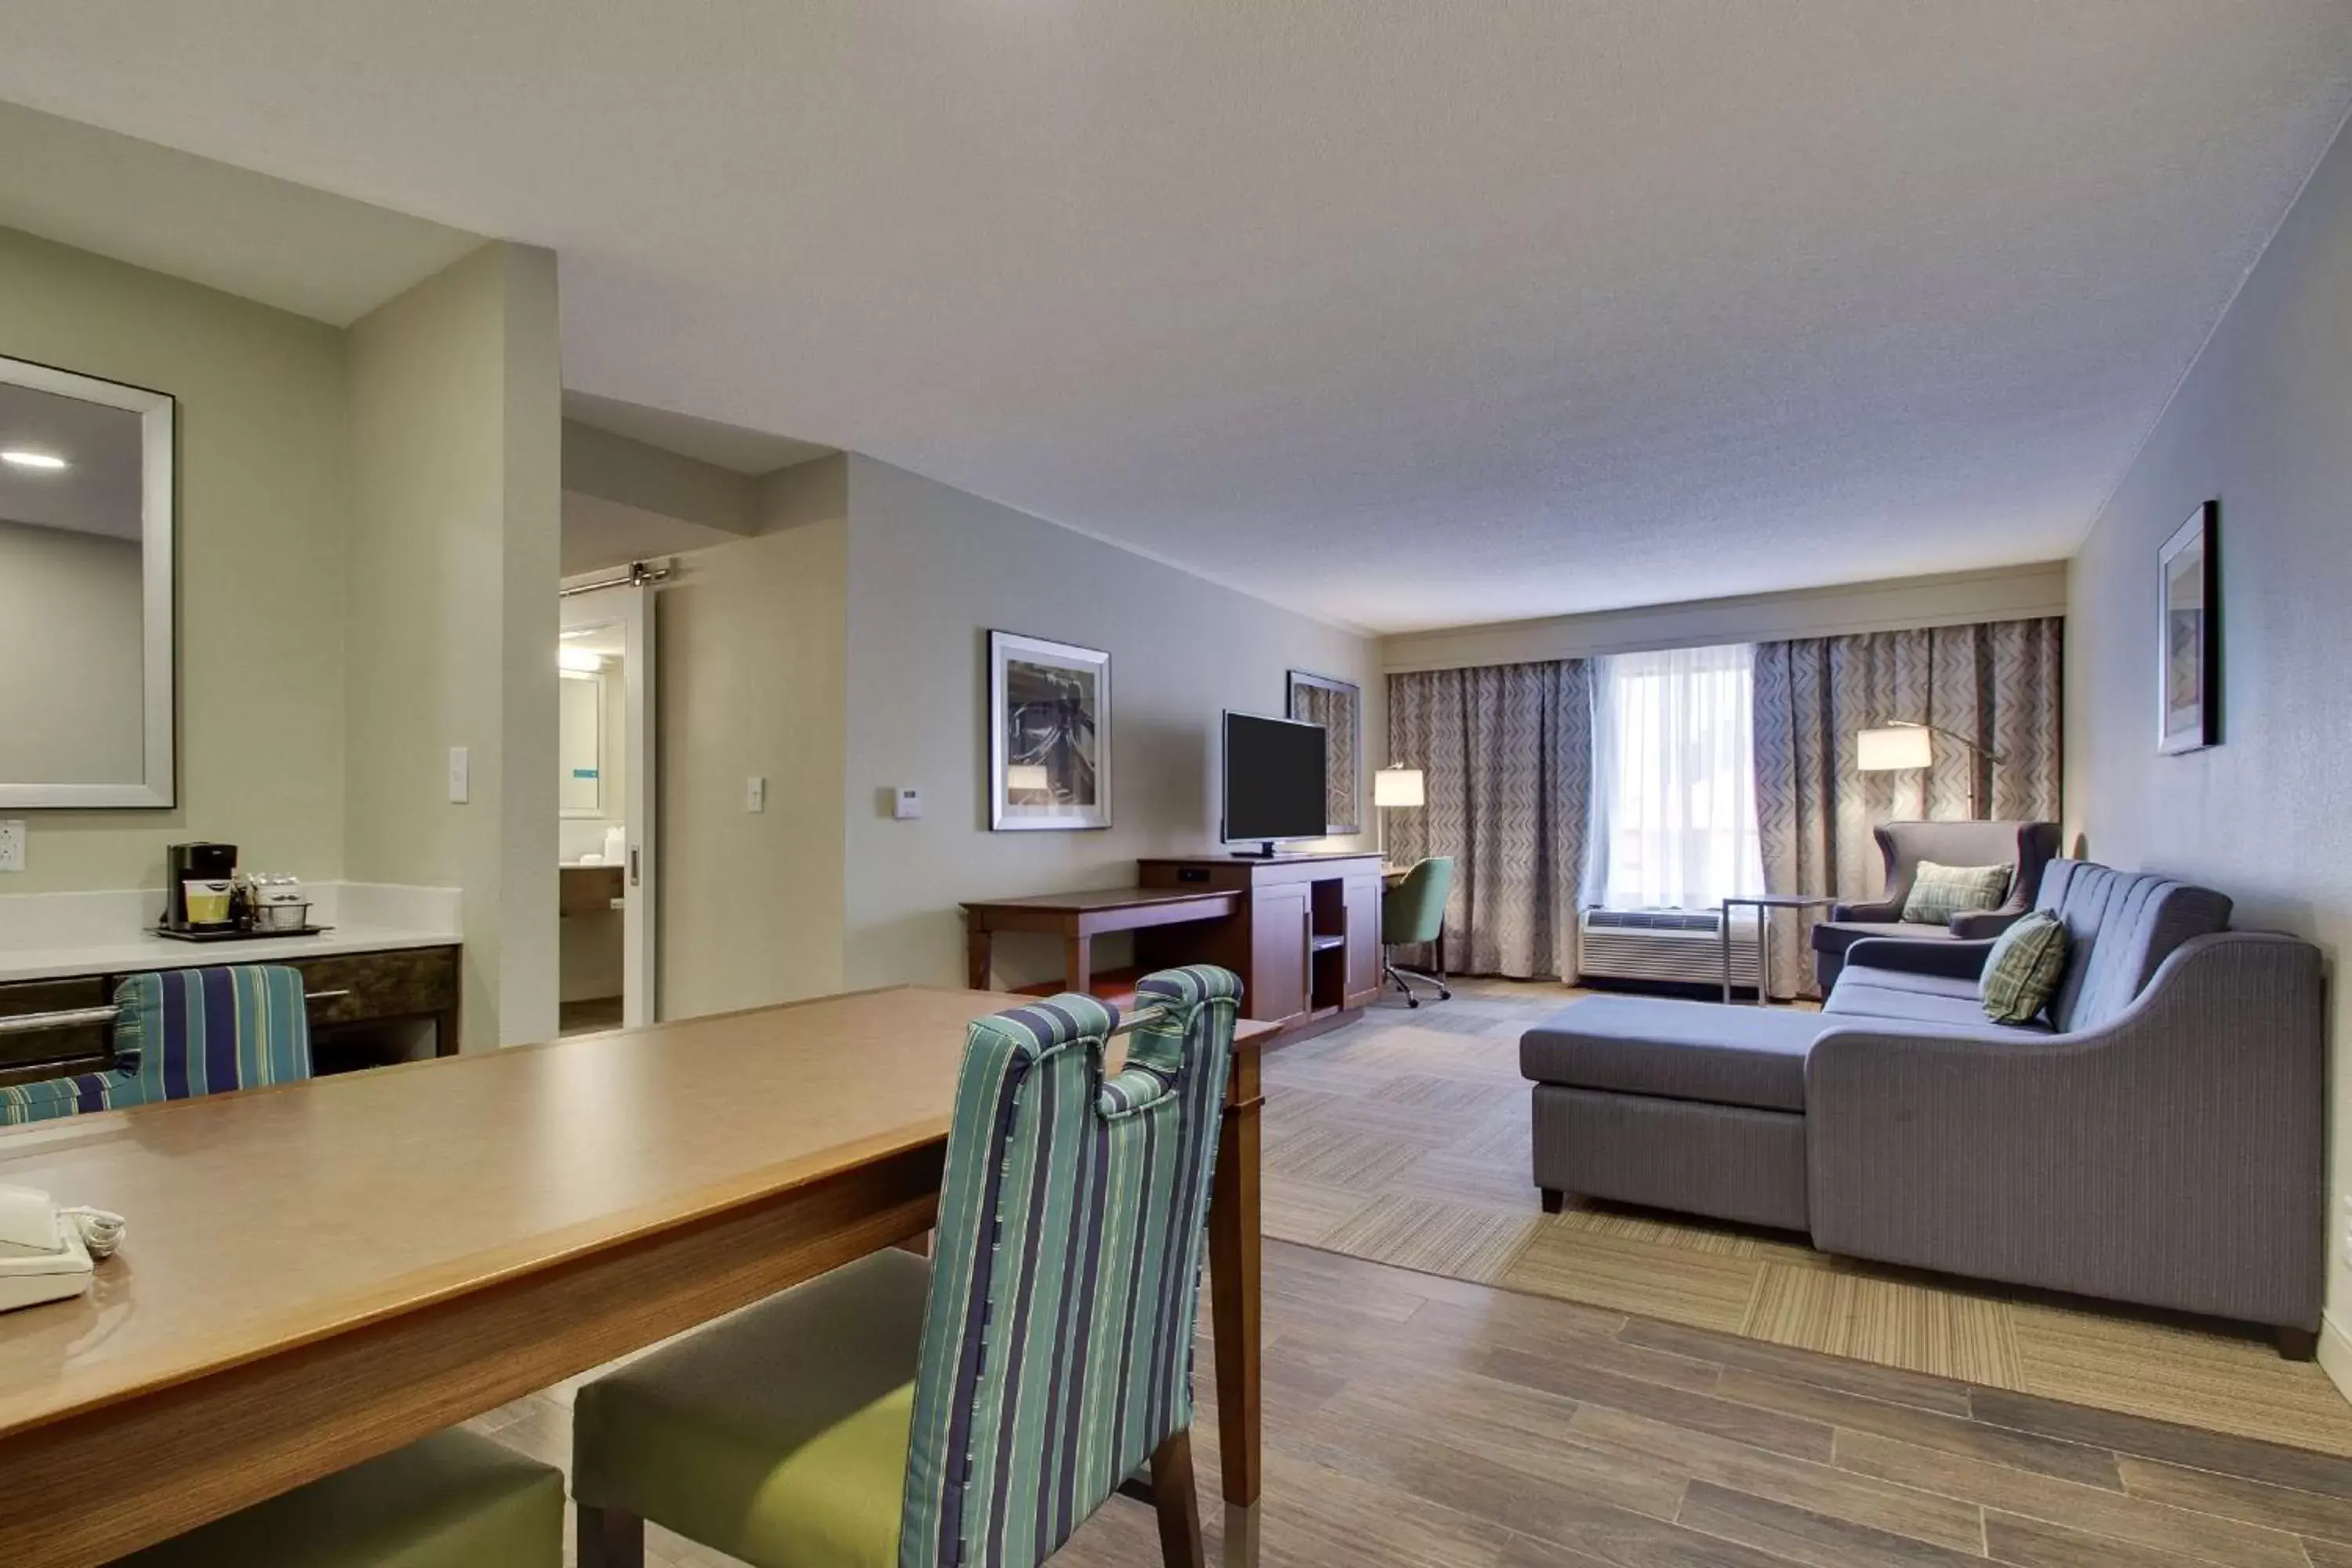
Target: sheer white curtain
1673,780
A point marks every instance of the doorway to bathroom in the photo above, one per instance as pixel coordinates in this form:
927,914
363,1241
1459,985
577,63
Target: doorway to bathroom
606,781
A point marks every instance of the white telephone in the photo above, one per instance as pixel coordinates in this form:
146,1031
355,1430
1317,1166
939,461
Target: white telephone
46,1251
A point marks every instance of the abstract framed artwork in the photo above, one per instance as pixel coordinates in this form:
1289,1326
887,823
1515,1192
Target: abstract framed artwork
2188,672
1338,707
1048,734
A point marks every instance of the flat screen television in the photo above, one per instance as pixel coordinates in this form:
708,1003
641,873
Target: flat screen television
1274,781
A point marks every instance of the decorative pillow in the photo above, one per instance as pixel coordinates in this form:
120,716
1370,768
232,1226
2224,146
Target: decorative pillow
1940,892
2022,971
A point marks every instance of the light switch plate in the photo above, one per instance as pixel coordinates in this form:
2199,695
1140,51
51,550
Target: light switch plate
460,781
755,794
12,846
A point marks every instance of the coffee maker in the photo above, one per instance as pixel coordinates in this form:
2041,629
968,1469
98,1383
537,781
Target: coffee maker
207,865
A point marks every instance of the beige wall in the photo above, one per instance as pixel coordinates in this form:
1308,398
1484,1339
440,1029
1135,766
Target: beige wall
450,615
1957,598
932,571
263,481
2264,423
72,680
749,669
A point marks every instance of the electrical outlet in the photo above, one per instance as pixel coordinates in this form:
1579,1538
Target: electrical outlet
12,846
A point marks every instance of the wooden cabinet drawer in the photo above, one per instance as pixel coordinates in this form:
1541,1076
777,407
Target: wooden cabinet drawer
354,988
87,1043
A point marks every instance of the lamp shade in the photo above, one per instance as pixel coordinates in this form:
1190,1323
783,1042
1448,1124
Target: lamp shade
1397,786
1893,750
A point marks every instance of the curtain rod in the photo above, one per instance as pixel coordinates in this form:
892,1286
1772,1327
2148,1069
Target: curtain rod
637,577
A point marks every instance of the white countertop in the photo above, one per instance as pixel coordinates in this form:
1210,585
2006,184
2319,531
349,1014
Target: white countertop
52,936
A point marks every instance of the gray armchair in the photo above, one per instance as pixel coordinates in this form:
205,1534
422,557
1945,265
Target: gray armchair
2024,846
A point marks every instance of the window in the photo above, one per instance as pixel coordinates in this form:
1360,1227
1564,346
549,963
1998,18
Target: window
1674,777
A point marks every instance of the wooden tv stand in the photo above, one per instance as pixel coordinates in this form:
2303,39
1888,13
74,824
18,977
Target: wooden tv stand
1305,939
1302,931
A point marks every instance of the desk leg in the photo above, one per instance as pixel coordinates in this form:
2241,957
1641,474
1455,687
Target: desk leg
978,958
1078,963
1234,1288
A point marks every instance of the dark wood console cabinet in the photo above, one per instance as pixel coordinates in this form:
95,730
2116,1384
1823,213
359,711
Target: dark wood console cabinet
347,992
1305,936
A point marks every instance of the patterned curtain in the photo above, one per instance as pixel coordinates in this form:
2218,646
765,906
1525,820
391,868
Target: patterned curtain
1996,683
1506,756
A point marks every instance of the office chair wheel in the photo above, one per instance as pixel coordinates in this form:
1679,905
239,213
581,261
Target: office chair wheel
1411,1000
1444,994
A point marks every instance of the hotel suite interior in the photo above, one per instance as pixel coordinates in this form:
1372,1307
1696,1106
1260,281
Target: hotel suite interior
1488,784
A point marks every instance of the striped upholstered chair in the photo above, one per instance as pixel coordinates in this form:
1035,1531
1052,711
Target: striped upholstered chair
182,1033
976,1408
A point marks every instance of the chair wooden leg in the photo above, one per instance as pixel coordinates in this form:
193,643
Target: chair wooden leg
1178,1502
2296,1344
609,1538
1554,1200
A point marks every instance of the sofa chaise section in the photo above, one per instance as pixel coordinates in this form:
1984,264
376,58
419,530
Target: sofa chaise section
1625,1109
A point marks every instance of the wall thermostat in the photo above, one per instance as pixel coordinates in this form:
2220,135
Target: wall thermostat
906,803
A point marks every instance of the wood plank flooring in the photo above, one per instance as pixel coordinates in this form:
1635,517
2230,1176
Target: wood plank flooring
1413,1419
1404,1140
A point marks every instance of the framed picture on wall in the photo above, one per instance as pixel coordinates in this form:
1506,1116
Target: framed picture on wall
1048,734
2188,672
1338,707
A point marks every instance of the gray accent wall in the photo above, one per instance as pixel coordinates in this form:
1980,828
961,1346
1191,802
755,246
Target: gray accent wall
2263,422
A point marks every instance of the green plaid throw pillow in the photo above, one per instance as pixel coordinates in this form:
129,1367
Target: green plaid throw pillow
1940,892
2022,970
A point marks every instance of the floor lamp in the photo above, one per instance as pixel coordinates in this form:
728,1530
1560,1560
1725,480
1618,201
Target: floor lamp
1903,746
1394,786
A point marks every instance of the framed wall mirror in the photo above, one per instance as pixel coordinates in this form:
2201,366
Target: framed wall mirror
1338,707
86,638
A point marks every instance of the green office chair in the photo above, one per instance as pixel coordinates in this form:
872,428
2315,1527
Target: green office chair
1414,912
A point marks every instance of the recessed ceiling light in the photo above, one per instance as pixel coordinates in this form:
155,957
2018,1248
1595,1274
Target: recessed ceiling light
24,459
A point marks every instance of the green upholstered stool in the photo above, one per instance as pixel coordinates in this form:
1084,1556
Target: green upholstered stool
1414,912
454,1499
979,1406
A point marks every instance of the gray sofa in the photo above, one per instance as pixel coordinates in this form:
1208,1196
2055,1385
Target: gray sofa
2024,846
2157,1137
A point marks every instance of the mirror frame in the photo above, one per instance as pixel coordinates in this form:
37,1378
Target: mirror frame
159,722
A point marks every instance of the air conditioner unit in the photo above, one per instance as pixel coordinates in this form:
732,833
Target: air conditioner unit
1682,946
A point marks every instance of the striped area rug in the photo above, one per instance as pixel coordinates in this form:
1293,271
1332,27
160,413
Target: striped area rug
1403,1140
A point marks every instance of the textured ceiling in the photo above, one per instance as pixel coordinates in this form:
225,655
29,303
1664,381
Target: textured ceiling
1405,312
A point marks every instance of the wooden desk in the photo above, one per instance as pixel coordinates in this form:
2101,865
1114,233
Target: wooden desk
1079,917
1303,931
320,1272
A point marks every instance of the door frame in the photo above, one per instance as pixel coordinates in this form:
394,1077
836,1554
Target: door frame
630,605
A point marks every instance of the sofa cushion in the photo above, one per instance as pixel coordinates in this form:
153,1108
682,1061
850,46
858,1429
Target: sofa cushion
1944,1001
1939,892
2021,973
2120,928
1751,1057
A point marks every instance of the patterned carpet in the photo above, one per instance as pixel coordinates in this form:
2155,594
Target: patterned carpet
1403,1140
